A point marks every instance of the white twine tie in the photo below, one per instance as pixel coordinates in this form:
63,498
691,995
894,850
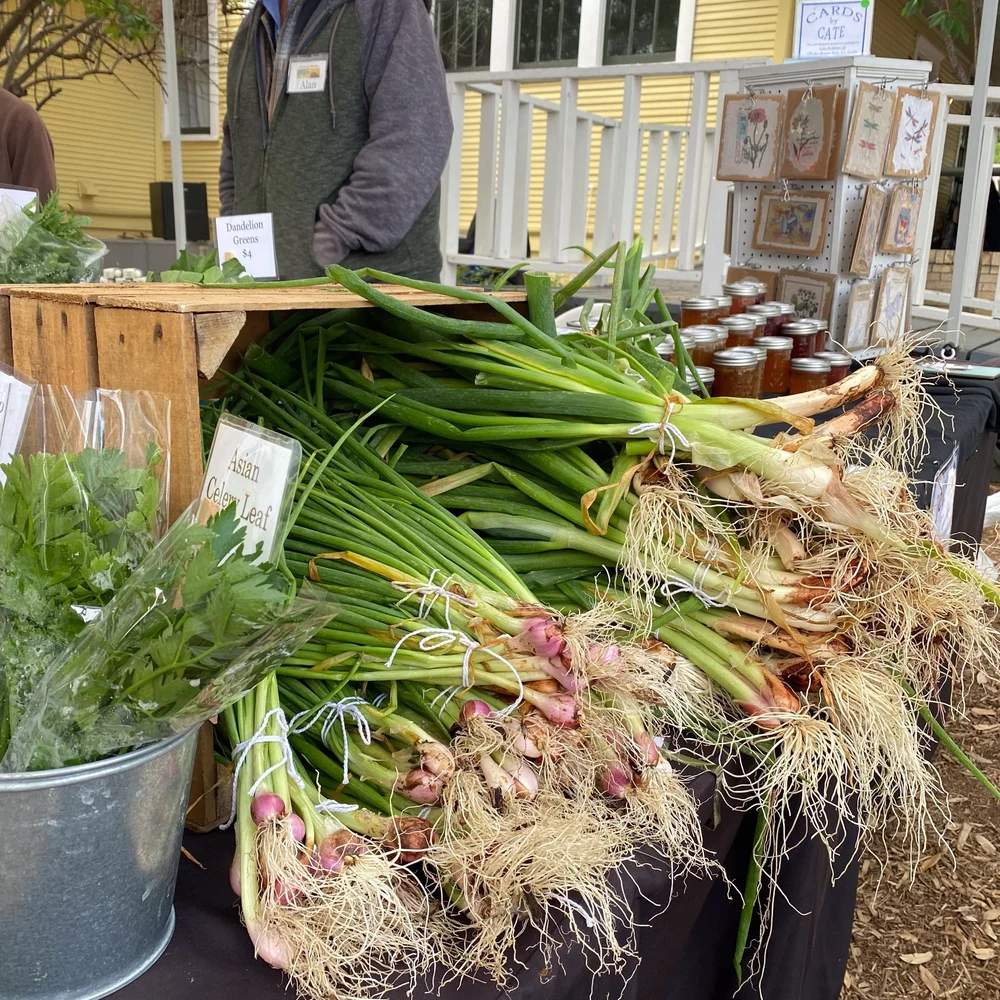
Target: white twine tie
664,430
241,751
331,713
429,594
435,639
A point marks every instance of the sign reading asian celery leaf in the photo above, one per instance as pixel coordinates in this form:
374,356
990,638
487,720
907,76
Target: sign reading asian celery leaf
255,469
824,30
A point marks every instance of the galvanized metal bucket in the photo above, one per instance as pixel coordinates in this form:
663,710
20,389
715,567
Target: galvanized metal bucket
88,862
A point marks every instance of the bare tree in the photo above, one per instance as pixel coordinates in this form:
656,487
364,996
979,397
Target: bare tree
46,44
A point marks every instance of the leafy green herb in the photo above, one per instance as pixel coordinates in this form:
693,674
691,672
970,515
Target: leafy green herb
72,528
46,244
195,627
203,270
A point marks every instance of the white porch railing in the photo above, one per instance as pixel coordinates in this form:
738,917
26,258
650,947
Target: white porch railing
578,205
933,306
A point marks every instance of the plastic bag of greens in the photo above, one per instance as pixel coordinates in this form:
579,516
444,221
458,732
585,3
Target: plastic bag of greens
46,244
82,504
196,627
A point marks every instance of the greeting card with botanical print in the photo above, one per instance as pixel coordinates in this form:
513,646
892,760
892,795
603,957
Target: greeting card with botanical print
901,224
859,315
809,133
750,134
791,224
912,131
871,126
869,228
811,293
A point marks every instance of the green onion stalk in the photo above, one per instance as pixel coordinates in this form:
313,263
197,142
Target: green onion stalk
324,887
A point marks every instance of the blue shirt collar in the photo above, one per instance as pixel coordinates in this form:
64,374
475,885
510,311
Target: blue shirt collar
272,7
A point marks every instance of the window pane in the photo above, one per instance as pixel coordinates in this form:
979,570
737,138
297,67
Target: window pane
665,39
194,67
619,16
553,39
527,31
639,29
463,31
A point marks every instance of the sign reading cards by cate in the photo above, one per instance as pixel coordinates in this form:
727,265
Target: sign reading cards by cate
255,469
824,30
16,392
250,239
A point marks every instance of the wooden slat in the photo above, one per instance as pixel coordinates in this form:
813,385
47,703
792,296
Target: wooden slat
53,341
215,334
193,299
158,351
6,348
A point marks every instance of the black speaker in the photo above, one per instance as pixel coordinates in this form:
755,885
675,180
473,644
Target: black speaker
161,208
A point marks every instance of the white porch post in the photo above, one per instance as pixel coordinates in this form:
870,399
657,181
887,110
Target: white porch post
503,36
965,249
593,14
713,258
174,125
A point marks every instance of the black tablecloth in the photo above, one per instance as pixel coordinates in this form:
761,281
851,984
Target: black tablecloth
686,933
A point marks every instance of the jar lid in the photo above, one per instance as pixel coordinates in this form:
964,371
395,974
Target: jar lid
774,343
834,357
740,322
820,324
734,357
698,302
740,288
706,374
810,365
690,330
786,307
723,301
797,326
765,309
757,318
703,334
813,324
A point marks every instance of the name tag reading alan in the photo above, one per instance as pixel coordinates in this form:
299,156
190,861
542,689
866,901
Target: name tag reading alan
306,74
250,239
256,469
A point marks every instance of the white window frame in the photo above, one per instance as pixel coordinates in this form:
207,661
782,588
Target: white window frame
593,19
213,86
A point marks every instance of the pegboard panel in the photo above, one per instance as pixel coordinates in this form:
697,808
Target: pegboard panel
847,194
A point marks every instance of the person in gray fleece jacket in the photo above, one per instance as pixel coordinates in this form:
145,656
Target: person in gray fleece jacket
350,169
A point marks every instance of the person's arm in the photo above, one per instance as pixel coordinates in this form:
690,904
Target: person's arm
409,135
227,177
33,161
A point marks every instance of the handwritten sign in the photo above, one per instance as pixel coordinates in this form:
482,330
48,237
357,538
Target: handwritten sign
250,239
16,392
255,469
825,30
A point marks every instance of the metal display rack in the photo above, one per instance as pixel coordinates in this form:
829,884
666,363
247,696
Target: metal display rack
847,194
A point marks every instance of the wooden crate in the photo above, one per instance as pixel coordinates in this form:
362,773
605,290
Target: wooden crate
169,338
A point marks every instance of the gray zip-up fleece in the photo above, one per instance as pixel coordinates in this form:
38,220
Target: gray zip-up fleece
351,175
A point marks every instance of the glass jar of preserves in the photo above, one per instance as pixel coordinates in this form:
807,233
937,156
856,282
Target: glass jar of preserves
761,321
840,364
735,373
760,288
666,349
740,330
772,318
787,309
776,364
822,330
699,310
725,304
808,374
742,293
760,353
705,341
802,334
707,376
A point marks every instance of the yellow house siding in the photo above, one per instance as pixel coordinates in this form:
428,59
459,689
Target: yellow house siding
104,134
